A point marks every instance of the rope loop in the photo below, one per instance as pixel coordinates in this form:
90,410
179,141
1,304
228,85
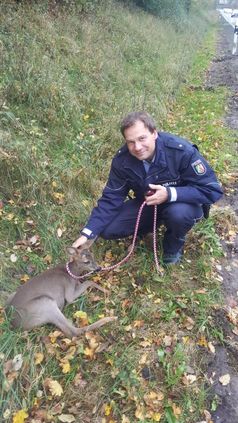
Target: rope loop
125,259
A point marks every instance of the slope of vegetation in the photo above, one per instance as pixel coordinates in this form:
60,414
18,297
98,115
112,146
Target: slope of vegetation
68,76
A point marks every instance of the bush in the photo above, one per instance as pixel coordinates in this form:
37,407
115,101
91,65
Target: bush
165,8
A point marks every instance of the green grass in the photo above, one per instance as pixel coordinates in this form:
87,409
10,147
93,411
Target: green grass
66,81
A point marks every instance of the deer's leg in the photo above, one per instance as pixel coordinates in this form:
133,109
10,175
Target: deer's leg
41,311
80,288
96,325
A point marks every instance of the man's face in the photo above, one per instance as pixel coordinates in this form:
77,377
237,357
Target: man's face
140,141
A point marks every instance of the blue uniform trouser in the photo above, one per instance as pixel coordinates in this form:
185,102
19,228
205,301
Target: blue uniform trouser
178,219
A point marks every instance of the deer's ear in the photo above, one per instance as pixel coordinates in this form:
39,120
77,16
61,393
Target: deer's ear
71,251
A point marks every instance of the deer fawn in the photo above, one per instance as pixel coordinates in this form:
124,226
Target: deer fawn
42,298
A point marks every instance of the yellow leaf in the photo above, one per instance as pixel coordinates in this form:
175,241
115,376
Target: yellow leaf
25,278
85,203
138,323
47,259
54,335
202,342
59,196
20,416
92,340
90,353
81,314
65,367
55,388
39,357
107,410
156,417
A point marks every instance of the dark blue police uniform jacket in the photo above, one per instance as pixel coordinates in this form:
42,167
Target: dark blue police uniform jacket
177,165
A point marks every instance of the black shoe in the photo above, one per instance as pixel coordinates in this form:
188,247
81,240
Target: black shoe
173,258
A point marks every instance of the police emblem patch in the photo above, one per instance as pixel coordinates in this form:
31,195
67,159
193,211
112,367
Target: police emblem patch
199,167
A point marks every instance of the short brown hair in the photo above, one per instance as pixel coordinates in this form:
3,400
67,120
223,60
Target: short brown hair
130,120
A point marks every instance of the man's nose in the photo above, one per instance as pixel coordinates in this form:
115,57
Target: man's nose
137,146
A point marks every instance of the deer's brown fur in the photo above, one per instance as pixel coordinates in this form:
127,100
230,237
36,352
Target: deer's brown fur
42,298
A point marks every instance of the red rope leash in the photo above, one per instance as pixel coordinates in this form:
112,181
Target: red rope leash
158,268
114,266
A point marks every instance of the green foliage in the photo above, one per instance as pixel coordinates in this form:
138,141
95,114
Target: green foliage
165,8
66,80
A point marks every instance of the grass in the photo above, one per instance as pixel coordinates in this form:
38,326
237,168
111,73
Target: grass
67,79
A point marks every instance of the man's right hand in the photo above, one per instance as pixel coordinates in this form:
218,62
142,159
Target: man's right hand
80,241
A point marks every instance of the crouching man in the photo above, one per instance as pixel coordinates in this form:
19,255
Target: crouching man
170,166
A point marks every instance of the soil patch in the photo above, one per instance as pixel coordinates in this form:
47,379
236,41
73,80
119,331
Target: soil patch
223,72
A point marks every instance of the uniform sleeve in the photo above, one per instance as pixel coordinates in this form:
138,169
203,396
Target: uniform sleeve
108,205
198,182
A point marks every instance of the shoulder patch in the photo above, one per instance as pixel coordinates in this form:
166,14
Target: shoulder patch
199,167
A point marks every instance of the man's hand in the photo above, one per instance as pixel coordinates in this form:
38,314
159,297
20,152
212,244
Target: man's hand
160,196
80,241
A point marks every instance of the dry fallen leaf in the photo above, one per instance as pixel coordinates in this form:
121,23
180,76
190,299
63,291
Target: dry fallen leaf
38,357
17,362
6,414
66,418
176,410
140,412
188,379
189,323
54,387
125,419
211,347
13,258
225,379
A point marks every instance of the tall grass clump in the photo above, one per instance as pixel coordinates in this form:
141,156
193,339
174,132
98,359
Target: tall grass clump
67,78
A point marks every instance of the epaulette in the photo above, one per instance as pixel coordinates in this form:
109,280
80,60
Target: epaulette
172,143
122,150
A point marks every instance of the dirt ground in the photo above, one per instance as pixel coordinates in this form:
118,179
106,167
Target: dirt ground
224,72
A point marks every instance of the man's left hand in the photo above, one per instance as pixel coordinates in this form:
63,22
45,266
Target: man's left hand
160,196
